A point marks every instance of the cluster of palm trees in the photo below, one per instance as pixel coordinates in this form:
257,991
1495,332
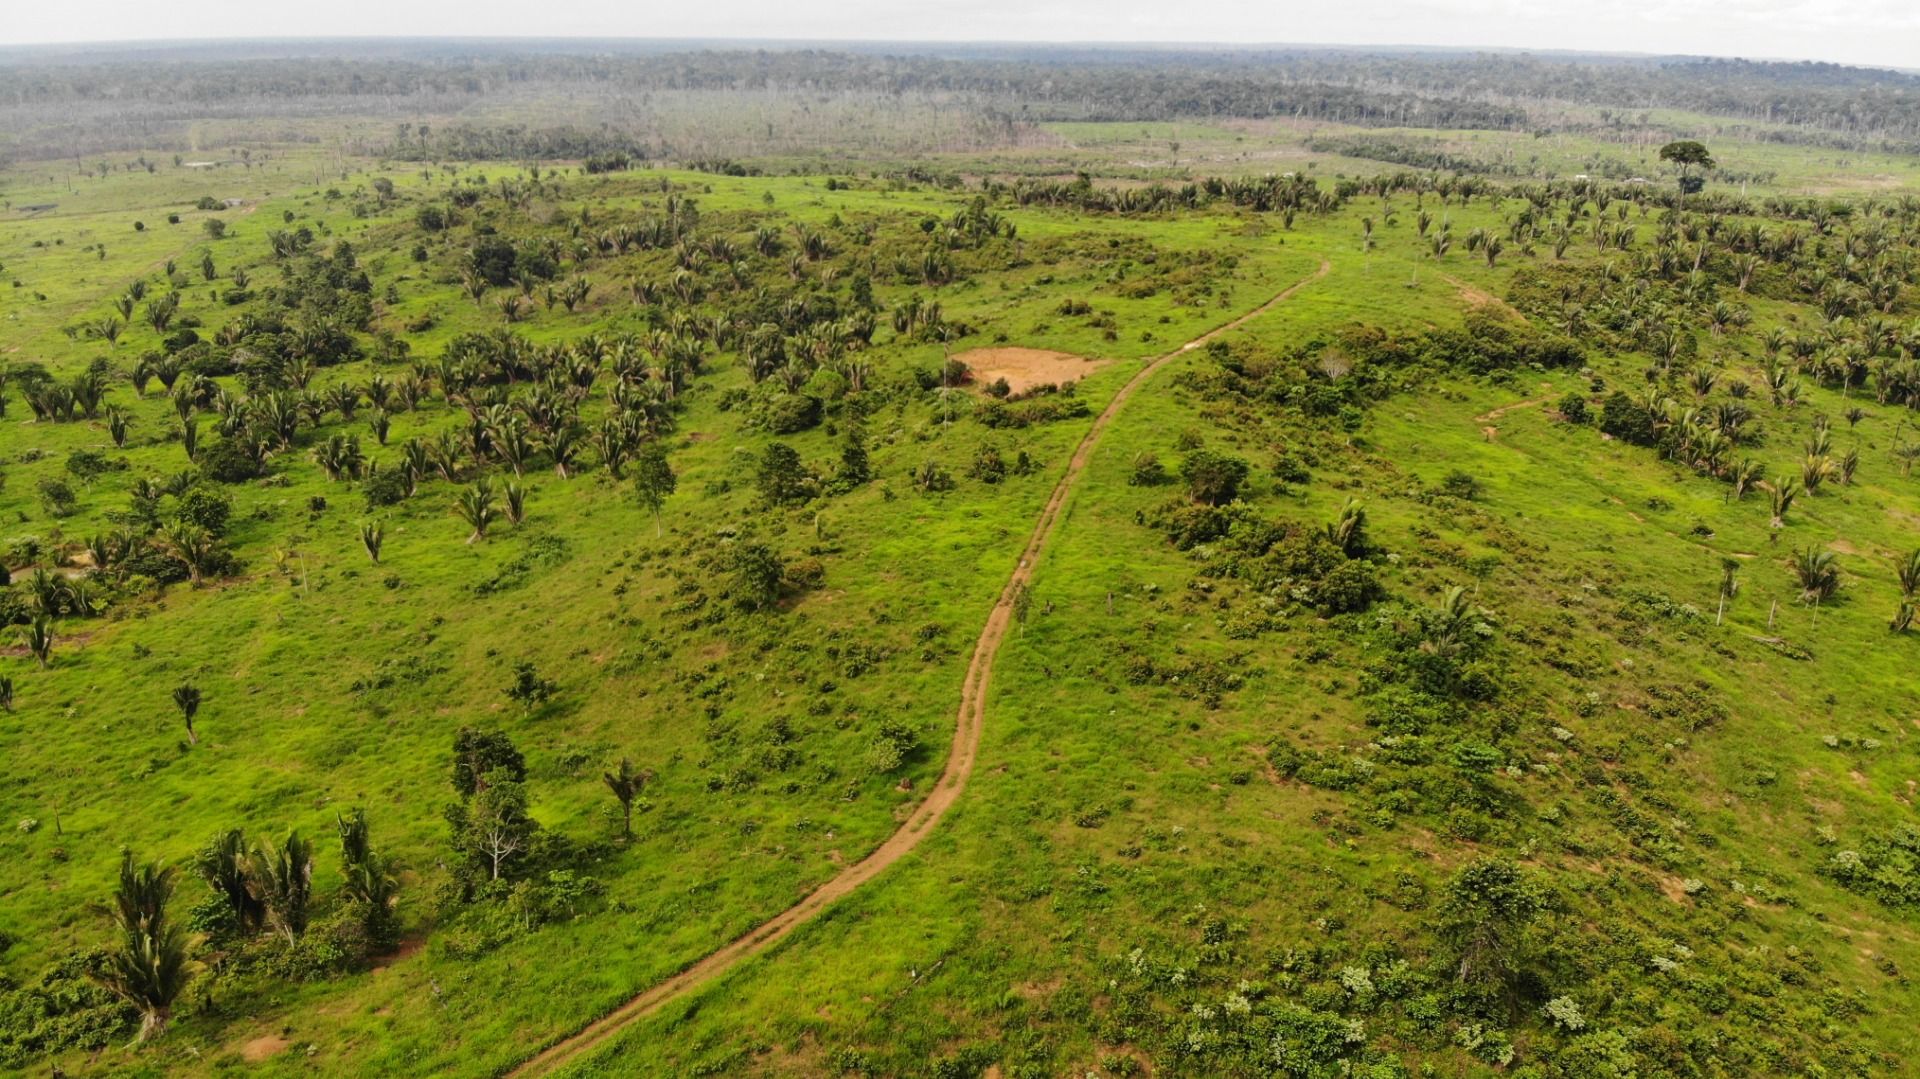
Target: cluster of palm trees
261,888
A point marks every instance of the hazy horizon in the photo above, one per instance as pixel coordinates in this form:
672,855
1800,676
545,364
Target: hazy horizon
1878,33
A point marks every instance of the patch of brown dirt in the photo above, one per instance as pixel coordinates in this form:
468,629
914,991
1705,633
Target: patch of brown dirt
1475,296
408,948
259,1049
1025,368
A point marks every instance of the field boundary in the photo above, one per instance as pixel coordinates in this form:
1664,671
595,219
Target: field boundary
953,778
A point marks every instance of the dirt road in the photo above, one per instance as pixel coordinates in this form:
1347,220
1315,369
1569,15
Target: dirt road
953,780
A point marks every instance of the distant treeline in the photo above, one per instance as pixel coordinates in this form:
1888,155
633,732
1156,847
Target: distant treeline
1852,107
604,150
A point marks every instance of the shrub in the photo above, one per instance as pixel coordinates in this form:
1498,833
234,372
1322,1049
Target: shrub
1147,471
229,461
1626,420
1462,485
1574,407
1213,478
755,573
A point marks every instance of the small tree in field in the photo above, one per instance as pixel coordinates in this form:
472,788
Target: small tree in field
528,689
654,481
1689,155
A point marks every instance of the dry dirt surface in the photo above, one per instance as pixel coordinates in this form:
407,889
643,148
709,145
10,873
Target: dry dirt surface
1025,368
945,791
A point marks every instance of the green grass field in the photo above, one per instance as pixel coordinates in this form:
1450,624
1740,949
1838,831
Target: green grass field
1129,883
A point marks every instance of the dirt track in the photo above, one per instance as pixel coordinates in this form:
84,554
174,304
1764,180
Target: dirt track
953,780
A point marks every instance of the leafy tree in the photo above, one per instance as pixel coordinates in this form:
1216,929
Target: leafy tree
493,827
755,572
1147,471
780,476
1689,155
484,757
528,689
1213,478
654,481
626,784
1485,921
152,961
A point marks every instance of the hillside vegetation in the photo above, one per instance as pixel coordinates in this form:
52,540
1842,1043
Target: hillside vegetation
1452,626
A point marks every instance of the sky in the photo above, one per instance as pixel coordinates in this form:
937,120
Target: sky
1874,32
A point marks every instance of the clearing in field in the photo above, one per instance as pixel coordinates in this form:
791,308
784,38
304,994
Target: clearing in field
1025,368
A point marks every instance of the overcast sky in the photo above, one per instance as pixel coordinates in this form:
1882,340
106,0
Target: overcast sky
1884,32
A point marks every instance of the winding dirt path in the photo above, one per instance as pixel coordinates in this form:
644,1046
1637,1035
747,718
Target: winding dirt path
952,781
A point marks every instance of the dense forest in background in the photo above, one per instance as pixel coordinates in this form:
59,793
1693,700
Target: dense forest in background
53,103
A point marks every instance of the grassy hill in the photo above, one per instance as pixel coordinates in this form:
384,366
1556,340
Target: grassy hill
1370,707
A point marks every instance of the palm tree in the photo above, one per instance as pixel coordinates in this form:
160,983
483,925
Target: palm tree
1349,533
192,545
516,502
153,961
281,880
626,784
186,697
369,882
475,507
1448,624
1818,572
1729,586
37,635
1909,571
371,536
1784,490
223,865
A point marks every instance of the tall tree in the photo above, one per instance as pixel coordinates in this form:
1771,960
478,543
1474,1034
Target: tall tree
1689,155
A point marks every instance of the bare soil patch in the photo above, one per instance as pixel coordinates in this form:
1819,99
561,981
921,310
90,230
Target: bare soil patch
266,1045
1025,368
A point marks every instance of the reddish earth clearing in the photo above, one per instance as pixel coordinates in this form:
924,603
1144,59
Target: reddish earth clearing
1025,368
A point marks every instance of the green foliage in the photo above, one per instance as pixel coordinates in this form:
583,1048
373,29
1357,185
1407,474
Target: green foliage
1213,478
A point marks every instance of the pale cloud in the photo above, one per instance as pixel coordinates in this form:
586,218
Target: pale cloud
1884,32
